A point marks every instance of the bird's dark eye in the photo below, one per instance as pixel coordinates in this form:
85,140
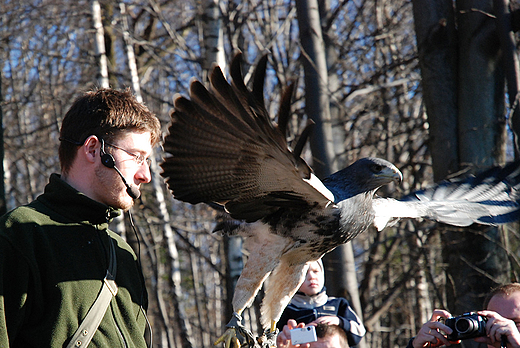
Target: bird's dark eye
376,168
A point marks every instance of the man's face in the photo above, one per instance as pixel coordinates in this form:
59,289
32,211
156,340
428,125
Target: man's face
110,188
314,280
507,306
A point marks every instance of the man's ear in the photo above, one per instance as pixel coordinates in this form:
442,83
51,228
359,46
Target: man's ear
91,149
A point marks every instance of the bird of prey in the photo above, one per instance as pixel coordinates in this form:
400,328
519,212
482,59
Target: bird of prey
222,147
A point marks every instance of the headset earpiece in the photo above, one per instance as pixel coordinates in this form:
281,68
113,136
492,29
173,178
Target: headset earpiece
108,160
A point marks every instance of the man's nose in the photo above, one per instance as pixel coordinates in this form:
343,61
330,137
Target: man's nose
143,174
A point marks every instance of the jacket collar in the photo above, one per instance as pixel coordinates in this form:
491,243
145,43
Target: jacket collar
72,204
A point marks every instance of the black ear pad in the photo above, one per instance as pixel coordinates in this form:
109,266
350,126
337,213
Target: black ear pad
108,160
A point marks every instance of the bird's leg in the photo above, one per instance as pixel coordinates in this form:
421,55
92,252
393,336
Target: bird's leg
242,298
284,282
273,325
235,328
267,249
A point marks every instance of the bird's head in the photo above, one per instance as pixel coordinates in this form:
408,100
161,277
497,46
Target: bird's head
364,175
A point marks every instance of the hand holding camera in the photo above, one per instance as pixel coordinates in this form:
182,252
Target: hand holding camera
485,327
432,332
497,326
285,337
500,330
468,325
303,335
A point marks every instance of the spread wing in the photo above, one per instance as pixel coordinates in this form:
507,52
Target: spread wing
224,148
490,198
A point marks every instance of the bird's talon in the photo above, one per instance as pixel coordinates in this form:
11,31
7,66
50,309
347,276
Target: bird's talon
236,335
229,338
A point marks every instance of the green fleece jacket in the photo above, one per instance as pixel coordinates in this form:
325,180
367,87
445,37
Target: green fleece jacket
53,258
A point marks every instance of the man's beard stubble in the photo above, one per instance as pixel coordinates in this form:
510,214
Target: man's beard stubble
112,190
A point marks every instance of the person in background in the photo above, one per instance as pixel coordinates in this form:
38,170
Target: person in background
328,336
503,321
312,305
56,252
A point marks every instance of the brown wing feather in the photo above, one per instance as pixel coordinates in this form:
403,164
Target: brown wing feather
225,149
258,82
285,109
254,100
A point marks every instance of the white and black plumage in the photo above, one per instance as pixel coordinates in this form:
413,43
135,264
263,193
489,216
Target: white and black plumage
223,148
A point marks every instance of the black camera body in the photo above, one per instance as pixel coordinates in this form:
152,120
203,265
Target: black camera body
468,325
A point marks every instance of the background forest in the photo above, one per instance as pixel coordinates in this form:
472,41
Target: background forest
428,85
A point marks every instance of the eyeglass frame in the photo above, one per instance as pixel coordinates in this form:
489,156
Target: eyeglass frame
138,158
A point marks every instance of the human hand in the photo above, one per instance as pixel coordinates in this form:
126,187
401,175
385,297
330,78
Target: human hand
284,337
328,320
498,326
429,335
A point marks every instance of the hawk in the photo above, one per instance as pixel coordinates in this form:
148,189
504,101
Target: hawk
223,148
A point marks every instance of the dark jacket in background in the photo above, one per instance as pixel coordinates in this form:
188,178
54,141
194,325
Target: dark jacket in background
302,310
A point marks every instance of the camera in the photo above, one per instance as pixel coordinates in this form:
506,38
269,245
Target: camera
303,335
468,325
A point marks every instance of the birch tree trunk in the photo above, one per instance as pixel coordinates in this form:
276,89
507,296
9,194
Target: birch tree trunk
213,40
213,36
183,332
118,224
100,44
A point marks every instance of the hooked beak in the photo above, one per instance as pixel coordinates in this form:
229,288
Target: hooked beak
390,174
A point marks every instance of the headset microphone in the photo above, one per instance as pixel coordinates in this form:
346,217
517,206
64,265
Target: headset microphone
108,161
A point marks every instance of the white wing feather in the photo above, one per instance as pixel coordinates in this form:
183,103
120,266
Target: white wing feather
458,203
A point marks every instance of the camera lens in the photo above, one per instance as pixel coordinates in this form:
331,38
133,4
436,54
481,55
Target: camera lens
464,325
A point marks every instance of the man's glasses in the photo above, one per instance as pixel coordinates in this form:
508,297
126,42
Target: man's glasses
138,158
